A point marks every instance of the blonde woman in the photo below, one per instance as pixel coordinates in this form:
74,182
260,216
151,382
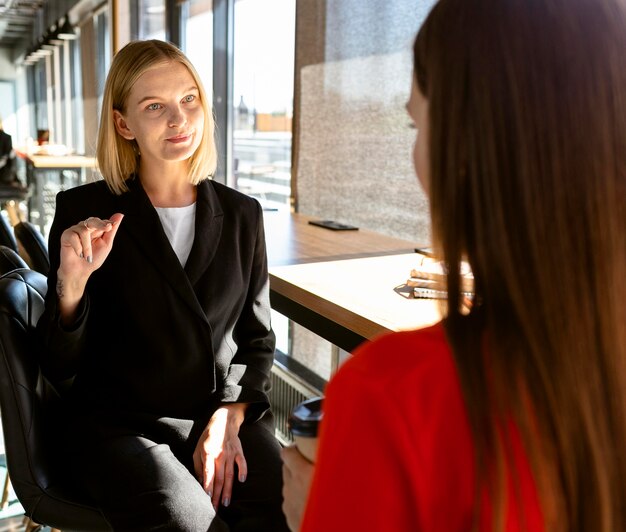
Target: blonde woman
158,309
512,417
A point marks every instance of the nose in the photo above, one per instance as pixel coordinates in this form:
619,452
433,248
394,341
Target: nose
177,117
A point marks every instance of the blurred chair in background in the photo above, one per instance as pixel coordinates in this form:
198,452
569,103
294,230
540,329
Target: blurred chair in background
7,235
32,247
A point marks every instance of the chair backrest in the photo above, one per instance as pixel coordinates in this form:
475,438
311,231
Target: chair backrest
10,260
29,403
32,247
7,237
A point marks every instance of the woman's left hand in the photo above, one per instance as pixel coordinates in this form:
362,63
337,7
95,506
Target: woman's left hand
297,478
217,452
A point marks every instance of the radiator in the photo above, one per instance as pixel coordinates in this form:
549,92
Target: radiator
288,389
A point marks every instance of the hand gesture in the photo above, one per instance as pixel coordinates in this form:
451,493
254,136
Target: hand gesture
84,248
86,245
217,452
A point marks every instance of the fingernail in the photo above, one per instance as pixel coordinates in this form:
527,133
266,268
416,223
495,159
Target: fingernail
209,494
90,259
242,478
226,502
81,255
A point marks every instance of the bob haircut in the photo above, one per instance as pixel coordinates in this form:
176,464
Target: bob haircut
118,158
527,124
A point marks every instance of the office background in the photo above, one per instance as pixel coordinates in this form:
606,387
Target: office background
308,95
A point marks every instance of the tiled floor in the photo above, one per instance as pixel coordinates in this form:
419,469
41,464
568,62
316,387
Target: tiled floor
16,523
10,517
12,524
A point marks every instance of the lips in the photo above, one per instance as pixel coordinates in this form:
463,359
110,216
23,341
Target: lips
180,138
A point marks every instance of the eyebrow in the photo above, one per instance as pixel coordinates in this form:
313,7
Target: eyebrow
145,98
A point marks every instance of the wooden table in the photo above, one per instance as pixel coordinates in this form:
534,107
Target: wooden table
61,162
36,165
345,286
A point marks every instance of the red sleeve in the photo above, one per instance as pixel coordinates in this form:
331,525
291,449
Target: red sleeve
362,480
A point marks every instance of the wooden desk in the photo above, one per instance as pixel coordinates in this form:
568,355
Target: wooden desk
36,165
291,240
342,285
62,162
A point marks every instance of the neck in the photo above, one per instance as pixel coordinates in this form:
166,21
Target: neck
167,185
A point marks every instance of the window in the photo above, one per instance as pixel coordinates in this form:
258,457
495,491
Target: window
264,42
103,50
198,41
76,104
152,19
41,101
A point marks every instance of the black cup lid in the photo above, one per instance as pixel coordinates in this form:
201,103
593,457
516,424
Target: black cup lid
305,418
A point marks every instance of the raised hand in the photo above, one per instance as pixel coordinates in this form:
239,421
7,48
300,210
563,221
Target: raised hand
84,248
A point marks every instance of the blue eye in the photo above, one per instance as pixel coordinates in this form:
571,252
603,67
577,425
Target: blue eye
154,107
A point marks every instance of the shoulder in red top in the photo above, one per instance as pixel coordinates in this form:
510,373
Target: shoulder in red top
396,451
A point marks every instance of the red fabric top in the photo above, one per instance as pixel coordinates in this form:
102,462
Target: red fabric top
396,451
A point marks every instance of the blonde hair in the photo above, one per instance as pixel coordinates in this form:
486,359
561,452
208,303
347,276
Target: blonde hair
118,158
527,123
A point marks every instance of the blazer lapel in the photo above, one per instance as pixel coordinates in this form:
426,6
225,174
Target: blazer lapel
142,223
209,220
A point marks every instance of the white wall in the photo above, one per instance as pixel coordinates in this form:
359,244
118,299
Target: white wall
13,98
22,114
7,94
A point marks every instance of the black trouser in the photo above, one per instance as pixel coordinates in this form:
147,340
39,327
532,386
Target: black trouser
142,485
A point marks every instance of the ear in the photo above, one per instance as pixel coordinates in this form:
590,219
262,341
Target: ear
121,126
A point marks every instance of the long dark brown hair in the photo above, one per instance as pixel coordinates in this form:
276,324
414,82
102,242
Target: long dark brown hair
527,117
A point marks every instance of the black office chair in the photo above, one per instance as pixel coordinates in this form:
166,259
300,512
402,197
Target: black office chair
28,402
7,236
32,247
10,260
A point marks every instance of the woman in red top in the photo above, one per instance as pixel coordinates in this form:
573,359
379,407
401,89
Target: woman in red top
512,416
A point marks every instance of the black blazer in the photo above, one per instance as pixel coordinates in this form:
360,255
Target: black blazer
153,337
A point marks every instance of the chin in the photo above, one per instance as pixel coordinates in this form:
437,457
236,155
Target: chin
183,155
188,153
